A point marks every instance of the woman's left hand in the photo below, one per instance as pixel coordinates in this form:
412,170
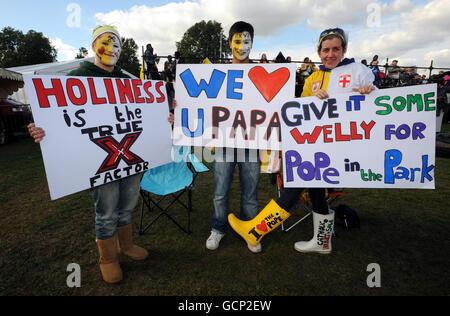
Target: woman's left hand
171,118
364,89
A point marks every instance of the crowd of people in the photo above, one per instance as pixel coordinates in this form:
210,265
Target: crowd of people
386,76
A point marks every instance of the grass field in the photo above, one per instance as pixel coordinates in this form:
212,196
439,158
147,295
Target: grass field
406,232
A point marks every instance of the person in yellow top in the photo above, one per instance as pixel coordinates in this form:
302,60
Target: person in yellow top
335,75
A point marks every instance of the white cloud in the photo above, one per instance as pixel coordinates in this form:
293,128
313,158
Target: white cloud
268,17
440,58
397,6
408,35
407,30
335,13
163,26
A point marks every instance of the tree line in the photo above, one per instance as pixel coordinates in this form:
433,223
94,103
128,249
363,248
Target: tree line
19,49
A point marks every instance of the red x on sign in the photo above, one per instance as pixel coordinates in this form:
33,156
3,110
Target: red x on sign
117,152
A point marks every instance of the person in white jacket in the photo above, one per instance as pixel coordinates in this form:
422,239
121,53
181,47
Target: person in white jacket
336,75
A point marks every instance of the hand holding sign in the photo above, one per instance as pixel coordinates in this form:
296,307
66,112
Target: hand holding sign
364,90
36,132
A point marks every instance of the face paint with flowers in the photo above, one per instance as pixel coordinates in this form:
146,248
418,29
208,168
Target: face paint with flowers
107,48
241,44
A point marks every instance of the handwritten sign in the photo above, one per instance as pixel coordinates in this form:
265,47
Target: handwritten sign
382,140
98,130
234,105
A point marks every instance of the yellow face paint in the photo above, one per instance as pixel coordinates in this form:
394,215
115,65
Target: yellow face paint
241,44
107,49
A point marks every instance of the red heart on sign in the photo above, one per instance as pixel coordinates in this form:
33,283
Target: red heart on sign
262,227
269,84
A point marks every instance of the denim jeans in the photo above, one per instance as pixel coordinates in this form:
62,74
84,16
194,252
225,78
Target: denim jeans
225,162
114,202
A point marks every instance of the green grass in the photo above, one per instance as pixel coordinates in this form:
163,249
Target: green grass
445,128
405,231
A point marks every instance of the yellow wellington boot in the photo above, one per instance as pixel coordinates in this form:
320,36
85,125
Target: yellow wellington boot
127,247
266,221
109,262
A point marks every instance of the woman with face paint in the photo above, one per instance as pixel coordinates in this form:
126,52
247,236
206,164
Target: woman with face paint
240,41
336,75
113,202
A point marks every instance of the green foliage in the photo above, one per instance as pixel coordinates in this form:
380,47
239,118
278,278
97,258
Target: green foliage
18,49
9,43
82,53
128,59
202,40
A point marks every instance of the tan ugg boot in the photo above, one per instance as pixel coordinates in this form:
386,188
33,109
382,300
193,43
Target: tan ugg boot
127,247
109,262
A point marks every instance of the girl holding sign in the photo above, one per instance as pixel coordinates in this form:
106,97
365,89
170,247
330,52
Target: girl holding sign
336,75
114,202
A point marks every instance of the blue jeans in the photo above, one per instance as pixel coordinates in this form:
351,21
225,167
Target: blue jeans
249,172
114,202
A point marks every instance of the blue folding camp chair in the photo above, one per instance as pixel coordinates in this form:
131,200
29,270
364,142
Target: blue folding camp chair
170,182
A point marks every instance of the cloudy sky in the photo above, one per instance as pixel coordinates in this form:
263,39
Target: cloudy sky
412,31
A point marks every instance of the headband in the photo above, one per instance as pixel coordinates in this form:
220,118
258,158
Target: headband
338,32
104,29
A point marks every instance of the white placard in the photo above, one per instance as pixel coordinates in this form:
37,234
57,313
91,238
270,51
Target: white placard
98,130
231,105
382,140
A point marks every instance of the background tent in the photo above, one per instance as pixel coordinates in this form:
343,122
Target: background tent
59,68
10,82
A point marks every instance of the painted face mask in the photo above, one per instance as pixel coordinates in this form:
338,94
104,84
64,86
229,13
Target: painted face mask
107,48
241,44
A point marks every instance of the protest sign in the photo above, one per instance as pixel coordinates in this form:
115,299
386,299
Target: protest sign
98,130
231,105
382,140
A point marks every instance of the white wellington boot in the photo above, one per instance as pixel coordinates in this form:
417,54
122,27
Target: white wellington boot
323,230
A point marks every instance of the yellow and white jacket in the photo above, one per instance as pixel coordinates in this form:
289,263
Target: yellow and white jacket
346,76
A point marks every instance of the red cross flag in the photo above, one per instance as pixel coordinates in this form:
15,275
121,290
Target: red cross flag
344,80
